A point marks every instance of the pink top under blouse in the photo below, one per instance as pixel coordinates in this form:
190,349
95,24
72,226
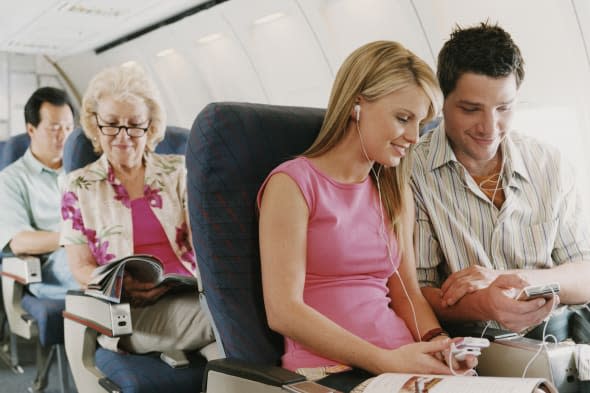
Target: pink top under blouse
149,237
347,262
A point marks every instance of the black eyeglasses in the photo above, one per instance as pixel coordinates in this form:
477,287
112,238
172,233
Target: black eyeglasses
132,131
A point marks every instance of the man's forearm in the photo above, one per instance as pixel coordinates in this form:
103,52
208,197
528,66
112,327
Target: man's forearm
34,242
571,277
469,308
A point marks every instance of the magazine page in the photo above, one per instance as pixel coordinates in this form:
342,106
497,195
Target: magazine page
102,270
101,273
111,289
408,383
107,280
144,268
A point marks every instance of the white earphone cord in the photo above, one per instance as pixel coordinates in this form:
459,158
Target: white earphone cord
545,337
500,180
383,232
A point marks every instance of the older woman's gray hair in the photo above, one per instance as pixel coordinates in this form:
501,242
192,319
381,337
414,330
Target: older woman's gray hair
123,83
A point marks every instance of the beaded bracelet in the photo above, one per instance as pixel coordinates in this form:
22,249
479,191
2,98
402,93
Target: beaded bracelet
432,333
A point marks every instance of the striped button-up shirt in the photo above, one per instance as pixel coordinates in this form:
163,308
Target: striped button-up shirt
538,226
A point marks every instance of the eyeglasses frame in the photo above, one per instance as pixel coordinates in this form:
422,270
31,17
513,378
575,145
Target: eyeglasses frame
119,128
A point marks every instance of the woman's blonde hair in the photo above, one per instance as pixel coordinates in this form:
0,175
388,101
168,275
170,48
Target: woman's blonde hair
372,71
123,83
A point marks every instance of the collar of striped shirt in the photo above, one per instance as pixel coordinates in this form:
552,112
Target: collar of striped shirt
442,154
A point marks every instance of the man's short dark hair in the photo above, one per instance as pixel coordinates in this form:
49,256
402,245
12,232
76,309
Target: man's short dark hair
483,49
51,95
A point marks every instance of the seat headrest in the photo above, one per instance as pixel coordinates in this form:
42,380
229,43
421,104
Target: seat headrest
13,149
78,150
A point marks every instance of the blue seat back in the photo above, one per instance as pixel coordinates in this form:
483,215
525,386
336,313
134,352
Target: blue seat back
78,150
2,143
232,148
13,149
430,126
10,151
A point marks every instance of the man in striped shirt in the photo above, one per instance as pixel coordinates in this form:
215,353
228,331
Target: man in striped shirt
495,210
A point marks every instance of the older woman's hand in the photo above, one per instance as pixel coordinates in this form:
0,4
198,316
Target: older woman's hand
142,293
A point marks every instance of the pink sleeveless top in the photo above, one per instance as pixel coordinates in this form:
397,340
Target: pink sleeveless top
149,237
347,262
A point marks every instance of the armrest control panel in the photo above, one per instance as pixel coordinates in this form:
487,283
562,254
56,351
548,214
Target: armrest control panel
104,317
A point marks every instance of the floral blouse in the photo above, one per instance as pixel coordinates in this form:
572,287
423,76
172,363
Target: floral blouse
96,209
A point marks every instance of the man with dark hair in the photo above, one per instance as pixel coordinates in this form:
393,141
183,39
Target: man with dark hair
30,197
495,210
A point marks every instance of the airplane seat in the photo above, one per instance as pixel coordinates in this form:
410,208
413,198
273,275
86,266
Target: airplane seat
147,373
10,150
13,149
4,351
232,148
94,368
2,144
28,316
47,313
78,150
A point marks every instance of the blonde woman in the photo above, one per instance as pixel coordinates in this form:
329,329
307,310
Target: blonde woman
336,228
133,201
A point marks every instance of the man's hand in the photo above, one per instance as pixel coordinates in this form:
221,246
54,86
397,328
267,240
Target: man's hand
498,299
466,281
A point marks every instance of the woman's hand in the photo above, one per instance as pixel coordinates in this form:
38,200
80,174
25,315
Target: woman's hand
459,367
142,293
422,358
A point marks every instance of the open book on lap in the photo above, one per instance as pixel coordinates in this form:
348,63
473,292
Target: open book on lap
408,383
107,280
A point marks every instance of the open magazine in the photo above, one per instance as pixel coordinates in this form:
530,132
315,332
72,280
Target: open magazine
408,383
107,280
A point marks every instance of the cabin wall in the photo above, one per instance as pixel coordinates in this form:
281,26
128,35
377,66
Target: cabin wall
20,76
287,52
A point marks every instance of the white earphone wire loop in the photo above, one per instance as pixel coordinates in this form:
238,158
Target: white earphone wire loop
470,372
384,234
499,183
545,336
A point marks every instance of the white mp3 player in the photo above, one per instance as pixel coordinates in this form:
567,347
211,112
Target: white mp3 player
468,346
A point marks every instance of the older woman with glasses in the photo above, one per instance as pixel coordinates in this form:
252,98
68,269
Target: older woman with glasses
133,201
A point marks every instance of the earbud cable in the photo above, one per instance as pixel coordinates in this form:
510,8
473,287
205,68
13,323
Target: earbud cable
383,231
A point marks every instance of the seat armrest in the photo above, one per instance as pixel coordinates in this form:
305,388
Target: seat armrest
267,375
85,317
511,356
100,315
17,273
24,270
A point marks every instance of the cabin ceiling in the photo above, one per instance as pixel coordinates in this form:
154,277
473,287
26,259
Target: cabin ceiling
63,27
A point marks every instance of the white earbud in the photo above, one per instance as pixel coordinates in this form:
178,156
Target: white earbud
357,110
